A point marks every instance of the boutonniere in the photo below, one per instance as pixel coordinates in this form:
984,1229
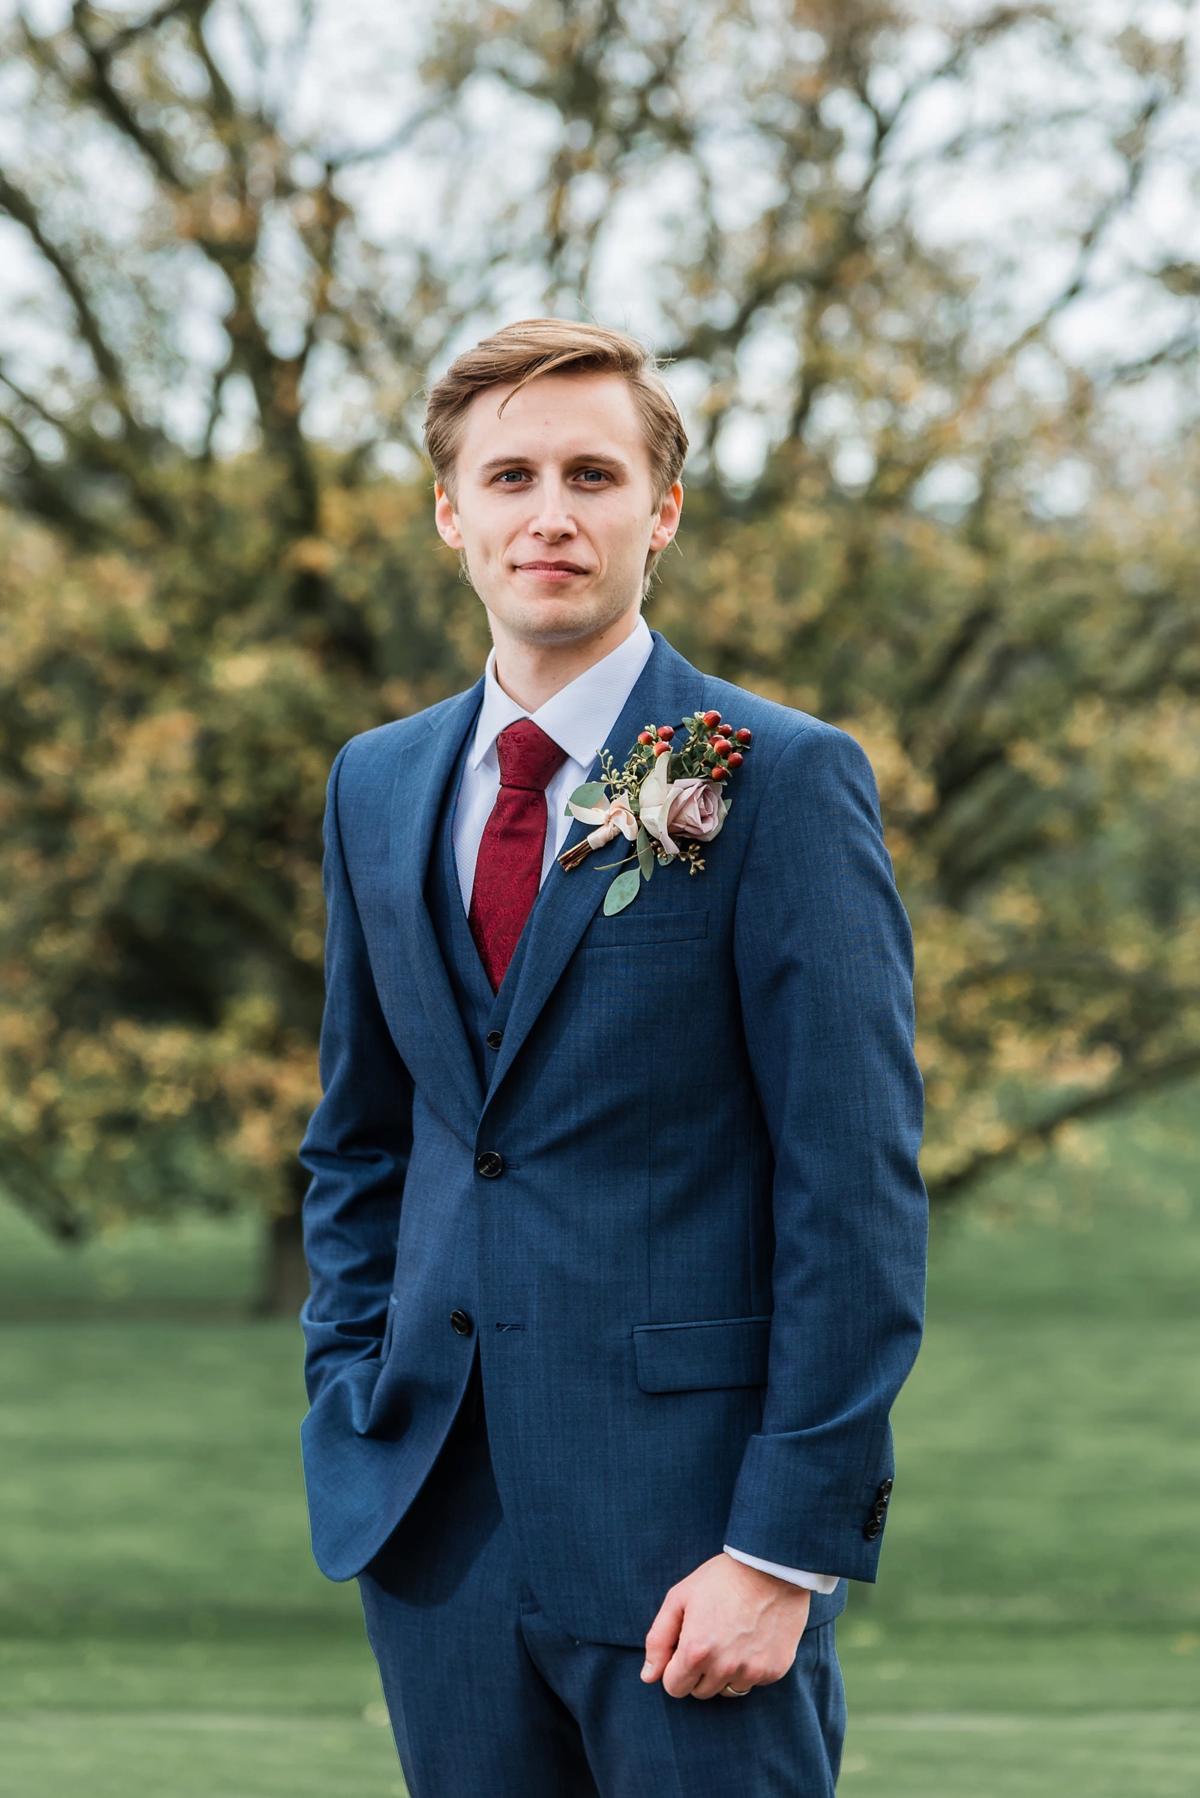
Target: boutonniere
667,802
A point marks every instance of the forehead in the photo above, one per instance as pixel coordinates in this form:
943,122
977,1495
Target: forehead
554,417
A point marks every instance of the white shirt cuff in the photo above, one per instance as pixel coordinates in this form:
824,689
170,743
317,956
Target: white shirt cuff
815,1582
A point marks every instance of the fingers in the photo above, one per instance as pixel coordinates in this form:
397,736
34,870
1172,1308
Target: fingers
689,1668
698,1672
714,1674
724,1626
663,1636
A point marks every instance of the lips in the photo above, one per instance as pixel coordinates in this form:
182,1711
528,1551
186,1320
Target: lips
551,569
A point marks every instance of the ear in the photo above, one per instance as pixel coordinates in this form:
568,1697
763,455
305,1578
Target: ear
446,519
666,522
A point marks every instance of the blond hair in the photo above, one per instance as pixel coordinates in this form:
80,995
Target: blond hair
542,346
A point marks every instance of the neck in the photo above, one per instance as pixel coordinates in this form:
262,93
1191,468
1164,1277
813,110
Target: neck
532,673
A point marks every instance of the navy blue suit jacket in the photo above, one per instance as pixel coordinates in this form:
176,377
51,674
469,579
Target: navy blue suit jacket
696,1286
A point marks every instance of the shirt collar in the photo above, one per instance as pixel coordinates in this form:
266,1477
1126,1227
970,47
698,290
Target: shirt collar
580,715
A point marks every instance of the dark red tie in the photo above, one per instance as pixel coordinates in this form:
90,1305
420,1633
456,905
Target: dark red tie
508,872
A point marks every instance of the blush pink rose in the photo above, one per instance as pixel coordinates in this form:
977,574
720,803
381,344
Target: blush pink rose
695,811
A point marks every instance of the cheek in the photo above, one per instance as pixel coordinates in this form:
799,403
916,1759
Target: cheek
627,531
488,530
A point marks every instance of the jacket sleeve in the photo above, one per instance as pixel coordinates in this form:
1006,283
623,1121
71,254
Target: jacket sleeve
824,961
357,1145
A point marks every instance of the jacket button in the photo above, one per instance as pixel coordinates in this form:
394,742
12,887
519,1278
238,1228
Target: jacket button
494,1038
873,1527
885,1490
490,1164
460,1323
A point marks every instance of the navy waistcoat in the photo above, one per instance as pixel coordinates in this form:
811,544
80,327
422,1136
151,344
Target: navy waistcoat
482,1011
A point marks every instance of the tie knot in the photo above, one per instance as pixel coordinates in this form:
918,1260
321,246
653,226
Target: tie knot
528,757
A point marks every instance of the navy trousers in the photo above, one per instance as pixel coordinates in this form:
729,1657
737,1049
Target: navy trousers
488,1699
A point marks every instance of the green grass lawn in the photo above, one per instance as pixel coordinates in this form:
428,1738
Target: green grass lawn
163,1633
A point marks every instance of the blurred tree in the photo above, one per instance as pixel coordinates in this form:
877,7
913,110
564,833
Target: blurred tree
210,581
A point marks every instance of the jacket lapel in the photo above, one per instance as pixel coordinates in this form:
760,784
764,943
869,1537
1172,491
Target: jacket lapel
416,806
664,690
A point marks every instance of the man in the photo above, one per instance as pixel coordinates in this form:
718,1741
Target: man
615,1228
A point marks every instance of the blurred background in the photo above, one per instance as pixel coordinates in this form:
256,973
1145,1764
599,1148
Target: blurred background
927,277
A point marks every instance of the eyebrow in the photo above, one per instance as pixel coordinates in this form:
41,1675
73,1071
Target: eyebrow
591,459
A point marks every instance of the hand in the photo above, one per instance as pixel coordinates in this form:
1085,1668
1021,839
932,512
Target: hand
725,1625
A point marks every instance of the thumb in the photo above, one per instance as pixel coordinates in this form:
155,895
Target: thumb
663,1636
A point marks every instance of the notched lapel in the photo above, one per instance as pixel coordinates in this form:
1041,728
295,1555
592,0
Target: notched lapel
567,903
416,805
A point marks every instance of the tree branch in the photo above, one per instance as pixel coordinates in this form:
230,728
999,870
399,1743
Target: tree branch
100,89
21,209
45,1203
48,497
95,453
1132,1085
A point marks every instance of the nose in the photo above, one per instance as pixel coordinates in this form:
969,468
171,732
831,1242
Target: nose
552,520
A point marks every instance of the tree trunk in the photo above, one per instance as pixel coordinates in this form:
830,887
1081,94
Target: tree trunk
285,1274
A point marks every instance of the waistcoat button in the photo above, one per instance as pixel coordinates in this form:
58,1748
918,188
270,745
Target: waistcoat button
494,1038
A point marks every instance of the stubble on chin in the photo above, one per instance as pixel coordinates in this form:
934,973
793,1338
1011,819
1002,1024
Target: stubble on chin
557,619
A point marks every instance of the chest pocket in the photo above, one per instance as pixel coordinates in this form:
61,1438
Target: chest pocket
629,931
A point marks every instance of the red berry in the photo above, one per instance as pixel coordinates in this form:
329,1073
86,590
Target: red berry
645,737
712,719
722,746
724,730
720,772
736,760
662,749
665,732
743,736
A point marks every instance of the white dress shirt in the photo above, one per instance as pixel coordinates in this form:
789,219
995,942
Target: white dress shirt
579,718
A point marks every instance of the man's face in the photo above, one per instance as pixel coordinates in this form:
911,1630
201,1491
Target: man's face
554,506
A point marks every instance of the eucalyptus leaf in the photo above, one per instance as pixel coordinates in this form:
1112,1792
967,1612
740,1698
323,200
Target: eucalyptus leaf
645,855
622,892
593,792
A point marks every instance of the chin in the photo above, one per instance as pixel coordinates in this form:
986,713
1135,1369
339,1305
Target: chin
559,619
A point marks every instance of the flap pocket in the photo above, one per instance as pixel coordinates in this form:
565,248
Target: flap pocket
696,1357
629,930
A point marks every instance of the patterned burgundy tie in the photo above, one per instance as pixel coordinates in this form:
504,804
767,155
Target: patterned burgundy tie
508,872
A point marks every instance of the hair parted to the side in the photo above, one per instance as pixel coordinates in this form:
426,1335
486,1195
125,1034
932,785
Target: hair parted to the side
542,346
